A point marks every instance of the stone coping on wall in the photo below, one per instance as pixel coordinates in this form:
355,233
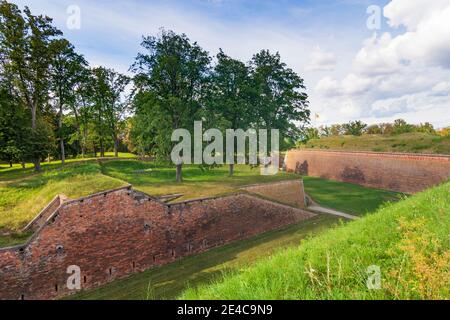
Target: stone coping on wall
138,195
415,156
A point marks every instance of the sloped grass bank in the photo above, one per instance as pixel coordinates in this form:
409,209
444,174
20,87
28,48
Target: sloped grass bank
21,200
408,241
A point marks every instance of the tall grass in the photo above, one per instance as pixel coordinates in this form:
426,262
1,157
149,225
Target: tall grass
408,241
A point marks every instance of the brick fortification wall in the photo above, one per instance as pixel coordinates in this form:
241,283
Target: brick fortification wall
121,232
288,192
408,173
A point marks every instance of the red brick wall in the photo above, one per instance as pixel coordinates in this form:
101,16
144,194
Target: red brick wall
407,173
288,192
115,234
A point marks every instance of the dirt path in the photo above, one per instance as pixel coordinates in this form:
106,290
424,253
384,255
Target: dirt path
319,209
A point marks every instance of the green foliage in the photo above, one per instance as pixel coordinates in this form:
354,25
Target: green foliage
354,128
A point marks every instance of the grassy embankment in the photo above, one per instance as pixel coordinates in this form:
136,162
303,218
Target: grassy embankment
407,240
408,142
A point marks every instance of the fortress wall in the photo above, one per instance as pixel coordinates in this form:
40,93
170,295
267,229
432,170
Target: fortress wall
408,173
118,233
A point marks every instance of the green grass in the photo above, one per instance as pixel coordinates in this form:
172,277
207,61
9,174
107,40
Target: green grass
408,241
160,180
408,142
8,173
22,199
348,197
169,281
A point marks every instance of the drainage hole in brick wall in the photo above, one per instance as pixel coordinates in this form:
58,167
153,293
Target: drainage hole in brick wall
154,258
110,271
56,288
84,279
22,297
134,265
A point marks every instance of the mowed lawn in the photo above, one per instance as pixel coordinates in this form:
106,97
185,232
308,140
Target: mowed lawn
169,281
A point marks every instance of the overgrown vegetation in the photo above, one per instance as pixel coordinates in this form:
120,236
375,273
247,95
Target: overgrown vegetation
408,241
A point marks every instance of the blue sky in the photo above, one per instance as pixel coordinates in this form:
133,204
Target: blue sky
400,70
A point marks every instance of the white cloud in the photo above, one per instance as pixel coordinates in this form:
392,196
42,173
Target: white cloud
328,86
403,75
322,60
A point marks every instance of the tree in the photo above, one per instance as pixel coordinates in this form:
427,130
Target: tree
354,128
229,95
67,73
337,130
174,71
401,126
374,129
26,57
426,128
279,100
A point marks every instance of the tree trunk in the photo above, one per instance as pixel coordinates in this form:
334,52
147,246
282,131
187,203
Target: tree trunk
231,170
61,139
37,160
102,150
116,147
10,163
23,164
180,173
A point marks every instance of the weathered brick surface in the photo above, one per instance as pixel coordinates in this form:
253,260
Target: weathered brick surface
409,173
118,233
288,192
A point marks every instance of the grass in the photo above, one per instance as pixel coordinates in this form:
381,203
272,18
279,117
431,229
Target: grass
408,142
169,281
22,199
160,180
408,241
348,197
8,173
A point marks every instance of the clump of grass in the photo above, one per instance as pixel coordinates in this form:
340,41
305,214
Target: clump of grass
408,241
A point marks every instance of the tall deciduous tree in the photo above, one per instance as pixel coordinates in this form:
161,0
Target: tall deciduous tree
67,75
26,57
279,98
175,71
229,96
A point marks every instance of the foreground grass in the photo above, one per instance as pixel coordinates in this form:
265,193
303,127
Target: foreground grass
348,197
408,241
408,142
169,281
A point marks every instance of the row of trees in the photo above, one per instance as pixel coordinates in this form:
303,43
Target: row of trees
358,128
53,103
176,84
50,98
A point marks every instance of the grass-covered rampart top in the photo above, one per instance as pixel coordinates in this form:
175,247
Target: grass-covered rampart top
408,142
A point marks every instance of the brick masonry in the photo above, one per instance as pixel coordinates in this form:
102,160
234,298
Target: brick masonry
408,173
288,192
117,233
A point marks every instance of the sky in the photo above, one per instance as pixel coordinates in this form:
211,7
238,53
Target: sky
370,60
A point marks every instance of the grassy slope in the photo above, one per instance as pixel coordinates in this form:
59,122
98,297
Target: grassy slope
169,281
408,241
409,142
348,197
22,199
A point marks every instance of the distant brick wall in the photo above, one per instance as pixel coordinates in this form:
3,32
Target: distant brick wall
118,233
409,173
288,192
